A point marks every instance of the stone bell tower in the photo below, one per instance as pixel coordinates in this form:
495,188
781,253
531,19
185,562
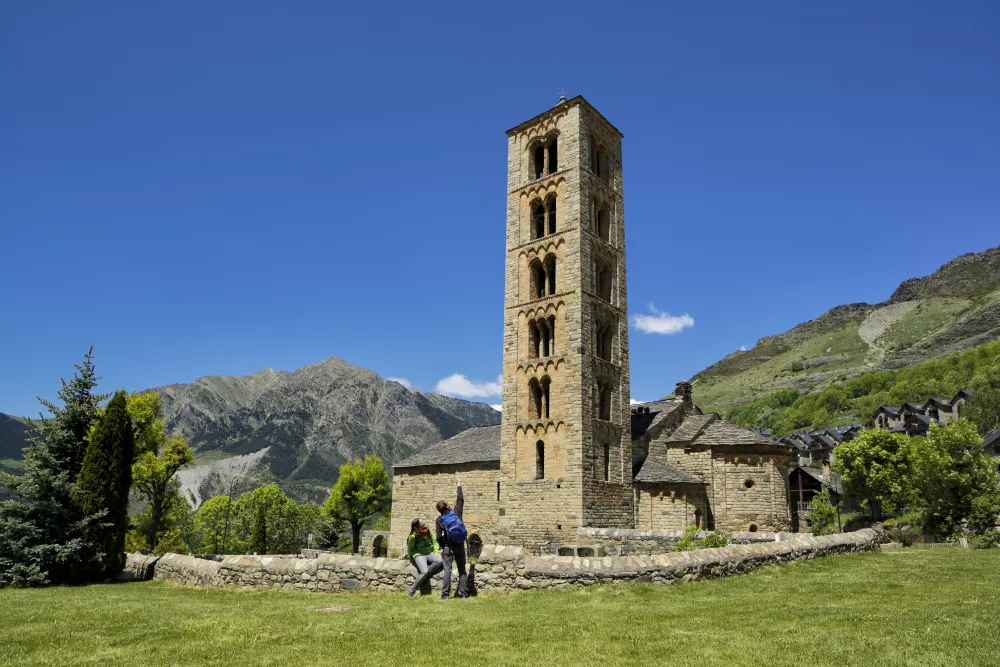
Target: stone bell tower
565,448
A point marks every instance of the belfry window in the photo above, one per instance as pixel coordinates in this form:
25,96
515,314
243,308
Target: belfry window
539,162
534,339
554,156
539,398
540,460
550,209
552,334
537,279
543,337
537,220
605,339
603,223
603,401
603,281
550,272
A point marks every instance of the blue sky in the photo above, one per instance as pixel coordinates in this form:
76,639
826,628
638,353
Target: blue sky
214,188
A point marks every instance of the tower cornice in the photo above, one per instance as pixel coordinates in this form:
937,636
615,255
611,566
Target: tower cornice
576,101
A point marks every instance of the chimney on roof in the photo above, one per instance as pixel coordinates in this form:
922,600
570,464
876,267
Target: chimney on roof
683,392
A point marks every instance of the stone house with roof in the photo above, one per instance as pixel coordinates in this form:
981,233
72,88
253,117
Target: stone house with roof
570,453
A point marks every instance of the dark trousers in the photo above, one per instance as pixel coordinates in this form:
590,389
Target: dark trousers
456,553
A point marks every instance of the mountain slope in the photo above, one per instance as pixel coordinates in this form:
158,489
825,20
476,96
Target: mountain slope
954,308
297,428
12,437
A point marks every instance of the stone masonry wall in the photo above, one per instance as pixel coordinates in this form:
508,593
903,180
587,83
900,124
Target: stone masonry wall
416,490
649,542
502,568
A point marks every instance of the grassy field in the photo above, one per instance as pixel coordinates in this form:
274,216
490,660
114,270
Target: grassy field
912,607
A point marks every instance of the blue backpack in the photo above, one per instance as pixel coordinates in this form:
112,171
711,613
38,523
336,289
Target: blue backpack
454,528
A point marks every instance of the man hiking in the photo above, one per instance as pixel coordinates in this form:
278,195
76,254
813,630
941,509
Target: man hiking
451,536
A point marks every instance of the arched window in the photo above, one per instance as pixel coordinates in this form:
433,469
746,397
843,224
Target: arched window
604,401
552,334
539,161
604,281
605,335
534,339
598,159
550,272
543,336
537,220
553,156
535,389
607,463
537,284
545,384
603,224
550,209
540,460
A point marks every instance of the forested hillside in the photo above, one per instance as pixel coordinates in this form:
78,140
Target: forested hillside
956,308
855,401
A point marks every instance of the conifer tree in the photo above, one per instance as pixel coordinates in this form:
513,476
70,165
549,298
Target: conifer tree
41,527
258,535
104,483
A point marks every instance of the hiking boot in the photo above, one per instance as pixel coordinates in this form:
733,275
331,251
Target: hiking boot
444,596
412,593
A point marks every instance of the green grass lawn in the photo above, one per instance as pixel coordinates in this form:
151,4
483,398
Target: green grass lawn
903,607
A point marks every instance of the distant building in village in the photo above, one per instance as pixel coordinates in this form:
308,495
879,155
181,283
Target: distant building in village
916,418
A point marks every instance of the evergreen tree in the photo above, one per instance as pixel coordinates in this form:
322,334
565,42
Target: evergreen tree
104,483
42,527
258,535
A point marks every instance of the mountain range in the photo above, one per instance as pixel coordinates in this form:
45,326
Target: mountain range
294,428
956,307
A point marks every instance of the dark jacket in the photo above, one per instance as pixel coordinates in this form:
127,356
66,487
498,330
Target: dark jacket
439,529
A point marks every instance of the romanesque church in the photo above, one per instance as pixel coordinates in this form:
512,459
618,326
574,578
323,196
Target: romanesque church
571,452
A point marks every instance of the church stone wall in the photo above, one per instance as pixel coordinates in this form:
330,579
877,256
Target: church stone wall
750,492
416,490
664,507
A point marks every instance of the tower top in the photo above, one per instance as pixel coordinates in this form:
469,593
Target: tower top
563,103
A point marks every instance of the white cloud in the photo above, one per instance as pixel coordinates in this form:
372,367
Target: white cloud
497,406
662,323
403,381
459,385
743,348
632,401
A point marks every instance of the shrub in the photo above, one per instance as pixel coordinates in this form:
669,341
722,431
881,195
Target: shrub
689,541
822,515
988,540
795,366
905,529
715,539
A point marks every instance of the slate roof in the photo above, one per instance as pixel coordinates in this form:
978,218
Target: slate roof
473,445
692,426
721,432
656,468
992,440
658,410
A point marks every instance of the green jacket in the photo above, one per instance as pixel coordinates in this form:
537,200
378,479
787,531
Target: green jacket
416,547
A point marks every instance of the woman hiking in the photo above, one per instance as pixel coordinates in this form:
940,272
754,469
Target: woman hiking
422,549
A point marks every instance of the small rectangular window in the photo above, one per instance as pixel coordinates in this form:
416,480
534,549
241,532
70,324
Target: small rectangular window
607,463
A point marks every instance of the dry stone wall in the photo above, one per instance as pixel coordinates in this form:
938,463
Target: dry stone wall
649,542
502,568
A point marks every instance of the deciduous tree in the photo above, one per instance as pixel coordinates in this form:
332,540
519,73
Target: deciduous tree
362,490
875,468
950,470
